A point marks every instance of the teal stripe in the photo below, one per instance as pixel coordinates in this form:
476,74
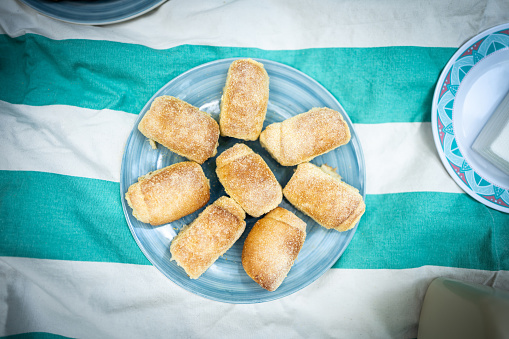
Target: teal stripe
374,85
52,216
427,228
35,335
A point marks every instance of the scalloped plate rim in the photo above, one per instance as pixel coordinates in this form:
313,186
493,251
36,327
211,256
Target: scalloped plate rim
434,115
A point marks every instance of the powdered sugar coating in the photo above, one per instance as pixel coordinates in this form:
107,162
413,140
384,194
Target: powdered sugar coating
272,246
244,101
329,201
210,235
169,193
305,136
182,128
247,179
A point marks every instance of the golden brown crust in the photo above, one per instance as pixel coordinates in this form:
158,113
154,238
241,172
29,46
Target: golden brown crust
247,179
182,128
270,139
231,206
244,101
329,201
272,246
305,136
136,201
169,193
210,235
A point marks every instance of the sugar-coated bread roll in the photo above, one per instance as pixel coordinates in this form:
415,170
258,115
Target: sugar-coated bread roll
169,193
244,101
248,180
305,136
320,193
199,244
181,127
272,246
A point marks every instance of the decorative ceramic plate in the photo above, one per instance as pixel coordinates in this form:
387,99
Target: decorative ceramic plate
93,12
291,93
470,88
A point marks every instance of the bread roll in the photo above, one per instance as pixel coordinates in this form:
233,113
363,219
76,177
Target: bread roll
247,179
199,244
324,197
272,246
169,193
305,136
182,128
244,101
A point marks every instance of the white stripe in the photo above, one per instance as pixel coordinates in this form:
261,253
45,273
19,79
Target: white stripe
63,139
97,300
276,25
402,157
88,143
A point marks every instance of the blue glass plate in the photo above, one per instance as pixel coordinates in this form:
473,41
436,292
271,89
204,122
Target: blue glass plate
291,93
93,12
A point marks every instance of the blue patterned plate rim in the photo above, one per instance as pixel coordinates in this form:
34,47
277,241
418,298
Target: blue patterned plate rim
442,117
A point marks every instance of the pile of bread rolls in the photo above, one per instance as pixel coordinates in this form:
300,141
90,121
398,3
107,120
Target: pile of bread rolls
275,240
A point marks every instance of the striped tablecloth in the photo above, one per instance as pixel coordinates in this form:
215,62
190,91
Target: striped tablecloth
69,97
